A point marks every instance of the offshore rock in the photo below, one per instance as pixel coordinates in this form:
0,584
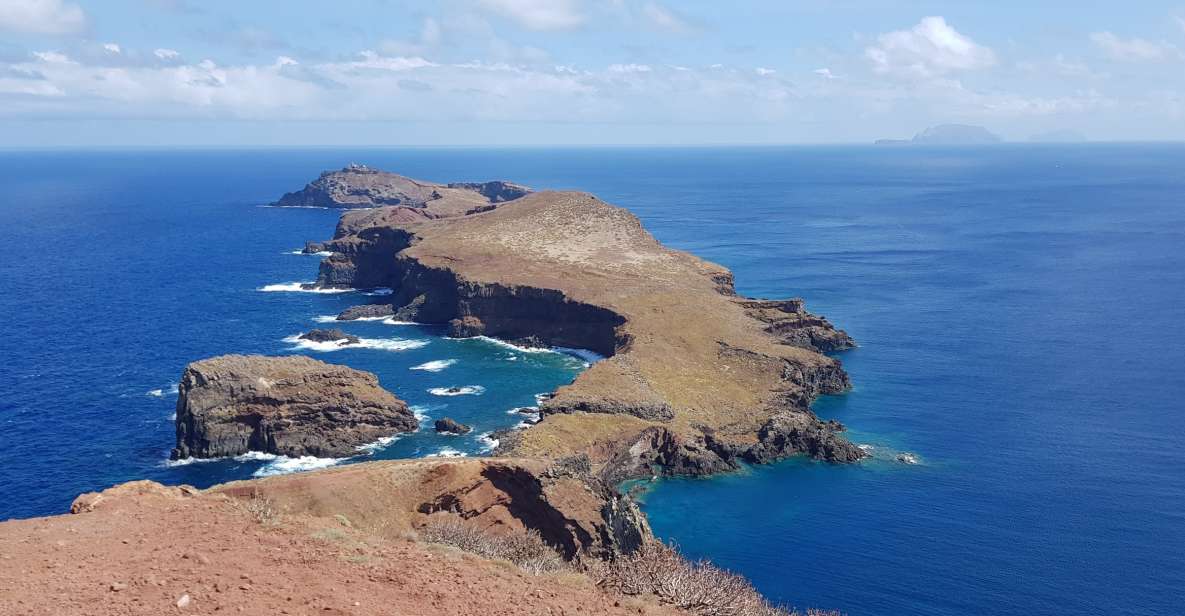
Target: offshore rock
330,335
451,426
366,311
292,406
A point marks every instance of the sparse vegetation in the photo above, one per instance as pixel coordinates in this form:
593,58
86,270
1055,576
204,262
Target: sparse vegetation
262,509
660,571
523,548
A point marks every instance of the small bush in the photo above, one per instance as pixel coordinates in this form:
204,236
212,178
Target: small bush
524,548
262,509
659,570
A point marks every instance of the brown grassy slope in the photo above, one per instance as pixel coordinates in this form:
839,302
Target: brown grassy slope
691,344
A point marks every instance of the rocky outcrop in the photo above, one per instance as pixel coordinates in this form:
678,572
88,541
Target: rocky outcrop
449,425
695,380
330,335
789,322
293,406
359,186
366,311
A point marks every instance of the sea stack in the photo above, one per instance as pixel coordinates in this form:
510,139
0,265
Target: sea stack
292,406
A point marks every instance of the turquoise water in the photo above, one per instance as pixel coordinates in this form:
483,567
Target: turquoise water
1019,311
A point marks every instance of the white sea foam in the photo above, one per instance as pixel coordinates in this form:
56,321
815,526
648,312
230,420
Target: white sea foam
488,443
332,318
543,397
510,345
523,410
391,321
435,365
447,452
299,287
284,465
378,291
383,344
866,448
589,357
908,458
370,448
160,393
468,390
322,253
420,412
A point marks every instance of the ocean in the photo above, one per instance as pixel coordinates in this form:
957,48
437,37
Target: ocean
1019,311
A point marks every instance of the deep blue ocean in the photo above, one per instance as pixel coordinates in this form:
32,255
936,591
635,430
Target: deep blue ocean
1020,311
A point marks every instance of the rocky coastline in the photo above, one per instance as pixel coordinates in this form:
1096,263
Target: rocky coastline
696,380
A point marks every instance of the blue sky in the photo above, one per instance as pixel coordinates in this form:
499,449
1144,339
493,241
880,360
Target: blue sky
508,72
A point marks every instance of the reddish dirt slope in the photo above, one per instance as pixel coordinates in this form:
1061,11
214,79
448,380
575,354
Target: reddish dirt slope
144,548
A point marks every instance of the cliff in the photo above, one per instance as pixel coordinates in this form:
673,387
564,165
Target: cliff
293,406
341,541
696,379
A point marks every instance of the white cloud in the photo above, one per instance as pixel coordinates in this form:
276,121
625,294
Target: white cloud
825,73
1180,22
1133,49
112,48
41,16
665,18
538,14
167,54
931,48
629,68
761,70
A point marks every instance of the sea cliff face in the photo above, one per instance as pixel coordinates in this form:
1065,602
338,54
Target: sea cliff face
293,406
696,380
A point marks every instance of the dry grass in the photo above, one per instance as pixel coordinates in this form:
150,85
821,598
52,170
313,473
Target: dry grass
660,571
524,548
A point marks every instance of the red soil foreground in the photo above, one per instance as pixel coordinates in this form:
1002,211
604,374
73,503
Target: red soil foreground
158,552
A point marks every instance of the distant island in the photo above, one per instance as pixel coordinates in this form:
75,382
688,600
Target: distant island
948,134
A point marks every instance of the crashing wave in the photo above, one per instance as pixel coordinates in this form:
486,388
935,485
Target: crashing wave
392,344
488,443
371,448
447,452
468,390
435,365
392,321
280,465
300,287
323,253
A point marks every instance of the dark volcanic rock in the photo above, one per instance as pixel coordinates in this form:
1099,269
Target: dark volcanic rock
795,432
789,322
366,311
359,186
312,248
496,191
451,426
293,406
330,335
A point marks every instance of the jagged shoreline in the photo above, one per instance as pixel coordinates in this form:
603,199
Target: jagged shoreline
566,269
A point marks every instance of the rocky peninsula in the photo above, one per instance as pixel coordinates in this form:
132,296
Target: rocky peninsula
696,378
293,406
359,186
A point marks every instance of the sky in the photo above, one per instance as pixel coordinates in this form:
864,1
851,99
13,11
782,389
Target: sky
576,72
